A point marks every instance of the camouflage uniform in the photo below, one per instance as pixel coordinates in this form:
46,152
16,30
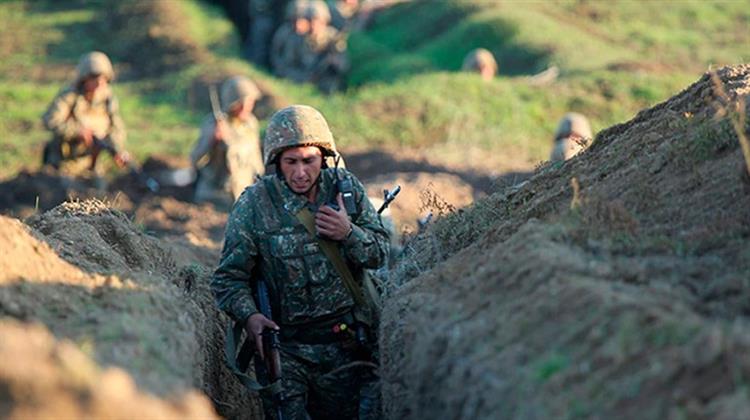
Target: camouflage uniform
342,12
573,134
265,239
70,112
287,46
231,164
324,54
478,59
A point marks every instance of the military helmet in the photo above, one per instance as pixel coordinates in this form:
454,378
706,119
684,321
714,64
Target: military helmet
296,9
93,64
237,88
479,58
573,123
297,125
318,9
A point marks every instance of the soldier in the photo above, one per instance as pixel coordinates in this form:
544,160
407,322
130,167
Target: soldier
342,12
274,233
227,154
324,57
481,61
85,119
573,134
287,46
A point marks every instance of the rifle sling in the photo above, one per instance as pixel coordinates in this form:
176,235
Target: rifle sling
331,250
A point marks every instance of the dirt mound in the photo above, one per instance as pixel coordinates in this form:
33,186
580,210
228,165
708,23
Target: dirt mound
613,285
153,37
44,378
129,299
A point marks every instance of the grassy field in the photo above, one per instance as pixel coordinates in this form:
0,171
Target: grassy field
614,59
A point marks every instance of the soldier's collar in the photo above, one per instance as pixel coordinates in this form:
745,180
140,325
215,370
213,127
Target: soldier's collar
294,202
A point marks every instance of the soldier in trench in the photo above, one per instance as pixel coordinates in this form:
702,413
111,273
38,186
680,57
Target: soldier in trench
573,134
227,154
277,232
480,61
84,119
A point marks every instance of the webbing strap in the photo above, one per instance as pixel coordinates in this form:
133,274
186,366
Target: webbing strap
331,250
238,362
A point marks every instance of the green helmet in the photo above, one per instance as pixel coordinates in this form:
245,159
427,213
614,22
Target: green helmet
318,9
237,88
93,64
294,126
573,123
478,58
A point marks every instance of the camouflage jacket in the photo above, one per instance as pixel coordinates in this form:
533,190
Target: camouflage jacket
264,238
287,54
70,111
324,50
233,163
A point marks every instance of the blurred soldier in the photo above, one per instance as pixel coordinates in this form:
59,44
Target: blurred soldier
573,134
308,253
342,12
481,61
260,30
85,119
227,154
324,58
287,46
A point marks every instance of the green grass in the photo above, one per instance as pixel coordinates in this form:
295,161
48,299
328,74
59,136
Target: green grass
404,89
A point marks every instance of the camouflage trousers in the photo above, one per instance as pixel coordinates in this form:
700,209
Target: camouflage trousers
318,384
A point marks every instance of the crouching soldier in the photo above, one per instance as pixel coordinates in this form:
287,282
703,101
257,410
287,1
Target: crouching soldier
573,134
297,235
85,120
227,154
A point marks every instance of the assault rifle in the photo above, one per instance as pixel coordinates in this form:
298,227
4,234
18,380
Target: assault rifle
388,197
142,177
271,349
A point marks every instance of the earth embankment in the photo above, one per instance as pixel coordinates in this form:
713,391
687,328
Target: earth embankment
614,285
129,300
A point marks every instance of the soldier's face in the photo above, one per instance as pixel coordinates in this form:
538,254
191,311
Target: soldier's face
301,167
93,83
301,26
317,26
243,109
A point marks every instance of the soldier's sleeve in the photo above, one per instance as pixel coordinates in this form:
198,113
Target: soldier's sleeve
276,54
231,280
368,243
203,146
117,133
57,118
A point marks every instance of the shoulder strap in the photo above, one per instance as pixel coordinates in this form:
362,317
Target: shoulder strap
331,250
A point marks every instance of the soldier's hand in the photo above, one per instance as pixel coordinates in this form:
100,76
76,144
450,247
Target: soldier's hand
333,224
220,131
87,136
254,327
122,159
